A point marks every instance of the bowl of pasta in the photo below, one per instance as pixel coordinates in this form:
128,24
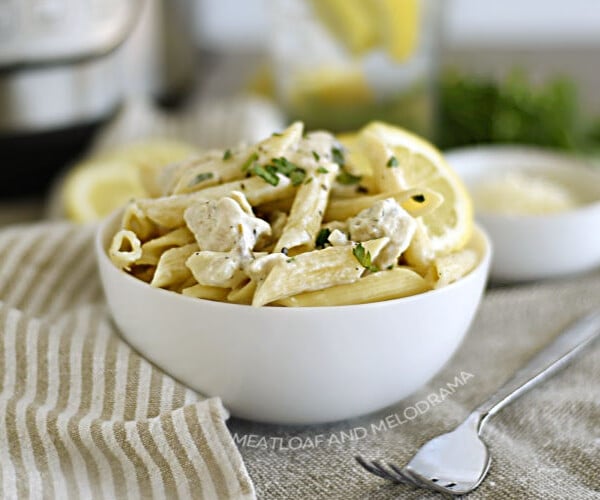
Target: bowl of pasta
304,279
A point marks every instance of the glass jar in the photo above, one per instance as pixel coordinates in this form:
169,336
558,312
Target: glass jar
339,64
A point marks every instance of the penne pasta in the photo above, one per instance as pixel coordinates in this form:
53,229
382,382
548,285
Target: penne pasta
125,249
168,211
206,292
153,249
135,220
171,269
300,219
243,294
313,271
307,211
416,201
384,285
452,267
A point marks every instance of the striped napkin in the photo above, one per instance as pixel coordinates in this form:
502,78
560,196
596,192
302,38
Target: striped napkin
82,415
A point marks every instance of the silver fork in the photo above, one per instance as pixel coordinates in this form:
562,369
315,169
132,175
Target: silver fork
458,461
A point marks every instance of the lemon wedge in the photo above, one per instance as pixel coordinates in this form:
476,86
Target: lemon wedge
361,25
107,181
94,190
418,164
351,21
398,23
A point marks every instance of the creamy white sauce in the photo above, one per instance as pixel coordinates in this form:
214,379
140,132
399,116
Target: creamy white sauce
384,218
226,232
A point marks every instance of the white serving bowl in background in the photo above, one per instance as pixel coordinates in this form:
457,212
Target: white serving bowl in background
530,247
294,365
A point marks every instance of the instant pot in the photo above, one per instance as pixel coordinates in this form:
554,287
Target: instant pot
59,81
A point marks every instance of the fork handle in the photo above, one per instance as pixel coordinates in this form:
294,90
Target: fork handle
543,365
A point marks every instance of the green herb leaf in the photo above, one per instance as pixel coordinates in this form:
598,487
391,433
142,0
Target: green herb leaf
297,176
322,170
347,179
201,178
267,174
392,162
338,156
251,159
364,258
322,238
316,155
419,198
284,166
276,134
309,180
227,154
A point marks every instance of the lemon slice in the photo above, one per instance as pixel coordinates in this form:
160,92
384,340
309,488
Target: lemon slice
418,164
107,181
350,21
398,21
94,190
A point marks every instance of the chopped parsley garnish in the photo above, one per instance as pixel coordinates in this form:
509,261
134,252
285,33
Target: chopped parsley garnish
316,155
289,169
297,176
279,166
338,156
347,179
309,180
322,170
364,258
291,260
392,162
284,166
251,159
419,198
201,178
227,154
391,266
323,237
269,175
276,134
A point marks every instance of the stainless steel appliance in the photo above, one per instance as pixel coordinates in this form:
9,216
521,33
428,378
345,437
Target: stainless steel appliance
58,81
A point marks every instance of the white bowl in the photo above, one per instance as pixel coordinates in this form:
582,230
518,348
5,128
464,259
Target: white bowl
529,247
294,365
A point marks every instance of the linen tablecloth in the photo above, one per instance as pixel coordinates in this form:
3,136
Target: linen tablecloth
546,445
83,416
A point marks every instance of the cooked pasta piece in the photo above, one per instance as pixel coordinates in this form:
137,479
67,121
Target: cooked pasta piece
153,249
243,294
206,292
307,211
135,220
452,267
171,269
233,165
314,271
125,249
168,211
416,201
384,285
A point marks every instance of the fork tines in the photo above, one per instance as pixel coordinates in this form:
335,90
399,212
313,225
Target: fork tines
391,472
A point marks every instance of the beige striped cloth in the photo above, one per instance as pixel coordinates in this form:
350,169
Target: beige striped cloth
82,415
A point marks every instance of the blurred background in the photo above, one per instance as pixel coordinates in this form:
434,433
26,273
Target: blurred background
90,89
